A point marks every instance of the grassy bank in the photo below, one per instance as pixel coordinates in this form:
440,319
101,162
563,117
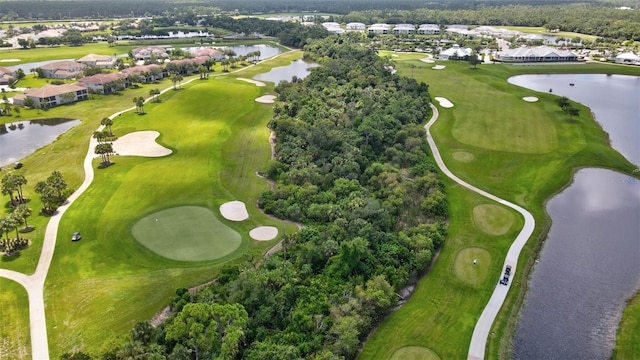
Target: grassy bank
98,287
523,152
628,338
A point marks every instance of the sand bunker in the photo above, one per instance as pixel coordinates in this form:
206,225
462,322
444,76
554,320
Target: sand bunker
427,60
444,102
141,143
234,211
264,233
266,99
257,83
530,98
9,60
438,67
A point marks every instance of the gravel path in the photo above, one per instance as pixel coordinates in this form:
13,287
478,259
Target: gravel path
483,326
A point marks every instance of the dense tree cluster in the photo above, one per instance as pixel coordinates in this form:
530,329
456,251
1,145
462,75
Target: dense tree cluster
352,165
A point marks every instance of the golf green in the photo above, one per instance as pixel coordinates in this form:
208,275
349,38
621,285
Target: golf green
472,265
186,233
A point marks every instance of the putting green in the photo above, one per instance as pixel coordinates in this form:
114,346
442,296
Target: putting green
492,219
464,268
186,233
463,156
414,353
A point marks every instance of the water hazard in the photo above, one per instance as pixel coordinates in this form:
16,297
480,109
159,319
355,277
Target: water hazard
20,139
297,68
589,264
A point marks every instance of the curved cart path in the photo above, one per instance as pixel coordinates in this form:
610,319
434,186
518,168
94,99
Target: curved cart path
483,326
34,283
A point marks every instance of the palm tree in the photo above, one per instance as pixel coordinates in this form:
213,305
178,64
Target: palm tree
140,104
225,63
8,187
23,211
104,150
202,70
107,122
20,180
175,78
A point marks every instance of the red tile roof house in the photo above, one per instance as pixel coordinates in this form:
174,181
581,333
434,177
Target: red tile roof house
53,95
214,54
105,83
6,76
63,69
101,61
144,53
148,73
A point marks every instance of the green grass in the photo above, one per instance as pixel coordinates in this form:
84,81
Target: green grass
628,339
15,342
414,353
525,167
465,269
98,287
186,233
492,219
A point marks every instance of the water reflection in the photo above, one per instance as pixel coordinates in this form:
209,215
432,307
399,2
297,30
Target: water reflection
298,68
20,139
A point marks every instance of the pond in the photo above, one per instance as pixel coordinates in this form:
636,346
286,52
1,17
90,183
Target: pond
589,265
20,139
298,68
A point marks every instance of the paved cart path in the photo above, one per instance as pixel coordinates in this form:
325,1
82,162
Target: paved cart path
483,326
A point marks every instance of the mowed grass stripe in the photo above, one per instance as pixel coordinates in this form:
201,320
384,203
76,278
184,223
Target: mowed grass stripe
15,340
186,233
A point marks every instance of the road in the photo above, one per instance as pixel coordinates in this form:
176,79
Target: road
483,326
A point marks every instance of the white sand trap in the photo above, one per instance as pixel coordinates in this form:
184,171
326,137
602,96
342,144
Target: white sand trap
444,102
264,233
438,67
266,99
255,82
427,60
530,98
394,54
234,211
9,60
140,143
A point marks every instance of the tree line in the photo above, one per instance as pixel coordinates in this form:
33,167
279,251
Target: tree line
352,164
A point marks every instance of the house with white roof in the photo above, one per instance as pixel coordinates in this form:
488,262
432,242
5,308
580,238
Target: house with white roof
536,54
101,61
53,95
356,26
455,53
404,29
429,29
333,27
628,58
62,69
379,29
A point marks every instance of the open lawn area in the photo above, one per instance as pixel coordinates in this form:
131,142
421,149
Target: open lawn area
543,31
99,286
15,342
522,152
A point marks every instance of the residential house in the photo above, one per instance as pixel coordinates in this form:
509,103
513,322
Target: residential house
53,95
429,29
628,58
455,53
536,54
6,76
404,29
62,70
356,26
333,27
101,61
379,29
105,83
147,73
211,53
148,52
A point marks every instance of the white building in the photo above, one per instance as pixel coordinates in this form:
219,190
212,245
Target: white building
379,29
455,53
356,26
536,54
404,29
429,29
628,58
333,27
101,61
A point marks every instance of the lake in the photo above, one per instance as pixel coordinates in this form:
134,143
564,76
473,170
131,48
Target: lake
298,68
589,265
20,139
